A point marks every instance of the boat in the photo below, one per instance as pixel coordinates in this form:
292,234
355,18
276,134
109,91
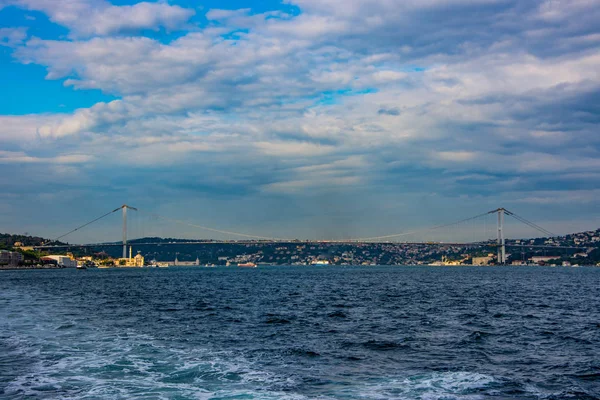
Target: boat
81,267
320,262
247,265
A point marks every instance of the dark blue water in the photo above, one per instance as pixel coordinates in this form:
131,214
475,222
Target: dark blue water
301,333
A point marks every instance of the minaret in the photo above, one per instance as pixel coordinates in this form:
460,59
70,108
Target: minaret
130,247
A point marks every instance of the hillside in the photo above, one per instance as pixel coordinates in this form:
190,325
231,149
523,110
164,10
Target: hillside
586,250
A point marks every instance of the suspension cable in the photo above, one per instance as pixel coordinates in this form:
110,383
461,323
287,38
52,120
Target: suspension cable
421,230
86,224
531,224
226,232
214,229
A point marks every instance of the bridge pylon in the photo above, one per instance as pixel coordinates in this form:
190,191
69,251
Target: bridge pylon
501,244
124,207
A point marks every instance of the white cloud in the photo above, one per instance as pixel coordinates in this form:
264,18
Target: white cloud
19,157
544,198
293,149
87,18
295,187
23,129
87,119
458,96
456,156
12,36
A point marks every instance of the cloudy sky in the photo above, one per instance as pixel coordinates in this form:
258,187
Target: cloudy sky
298,118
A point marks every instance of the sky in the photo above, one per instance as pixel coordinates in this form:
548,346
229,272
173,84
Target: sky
298,118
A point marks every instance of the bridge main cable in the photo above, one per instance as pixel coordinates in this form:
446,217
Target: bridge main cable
368,239
217,230
86,224
530,224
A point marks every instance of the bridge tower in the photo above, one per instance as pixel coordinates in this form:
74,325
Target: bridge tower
124,207
501,245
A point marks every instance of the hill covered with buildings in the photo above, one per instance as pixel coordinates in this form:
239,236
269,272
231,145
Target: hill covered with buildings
581,248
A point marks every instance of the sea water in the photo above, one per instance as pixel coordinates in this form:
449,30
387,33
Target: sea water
301,333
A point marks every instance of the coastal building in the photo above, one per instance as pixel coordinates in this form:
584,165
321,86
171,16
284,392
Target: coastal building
446,261
542,259
186,263
134,262
61,260
137,261
10,257
482,260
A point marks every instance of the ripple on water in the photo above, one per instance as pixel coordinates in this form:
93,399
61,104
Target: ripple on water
301,333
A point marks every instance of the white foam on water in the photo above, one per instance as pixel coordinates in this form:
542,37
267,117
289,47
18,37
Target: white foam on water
135,365
435,386
73,377
138,365
114,363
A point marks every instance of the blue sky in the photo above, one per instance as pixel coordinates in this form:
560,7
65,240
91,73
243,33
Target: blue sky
298,118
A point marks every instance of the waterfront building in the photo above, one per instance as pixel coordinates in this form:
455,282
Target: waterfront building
10,257
543,259
135,262
446,261
61,260
482,260
452,262
186,263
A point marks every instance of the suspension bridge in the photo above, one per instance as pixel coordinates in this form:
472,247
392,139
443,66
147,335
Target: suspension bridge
499,242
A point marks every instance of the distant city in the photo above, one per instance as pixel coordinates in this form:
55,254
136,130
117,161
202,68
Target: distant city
19,251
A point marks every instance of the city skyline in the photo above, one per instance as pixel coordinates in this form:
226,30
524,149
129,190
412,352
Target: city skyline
299,118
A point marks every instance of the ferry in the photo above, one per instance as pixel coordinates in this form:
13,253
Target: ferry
247,265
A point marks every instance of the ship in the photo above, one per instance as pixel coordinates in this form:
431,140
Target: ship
247,265
320,262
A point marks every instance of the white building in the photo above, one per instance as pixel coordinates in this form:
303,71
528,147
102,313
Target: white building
63,261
